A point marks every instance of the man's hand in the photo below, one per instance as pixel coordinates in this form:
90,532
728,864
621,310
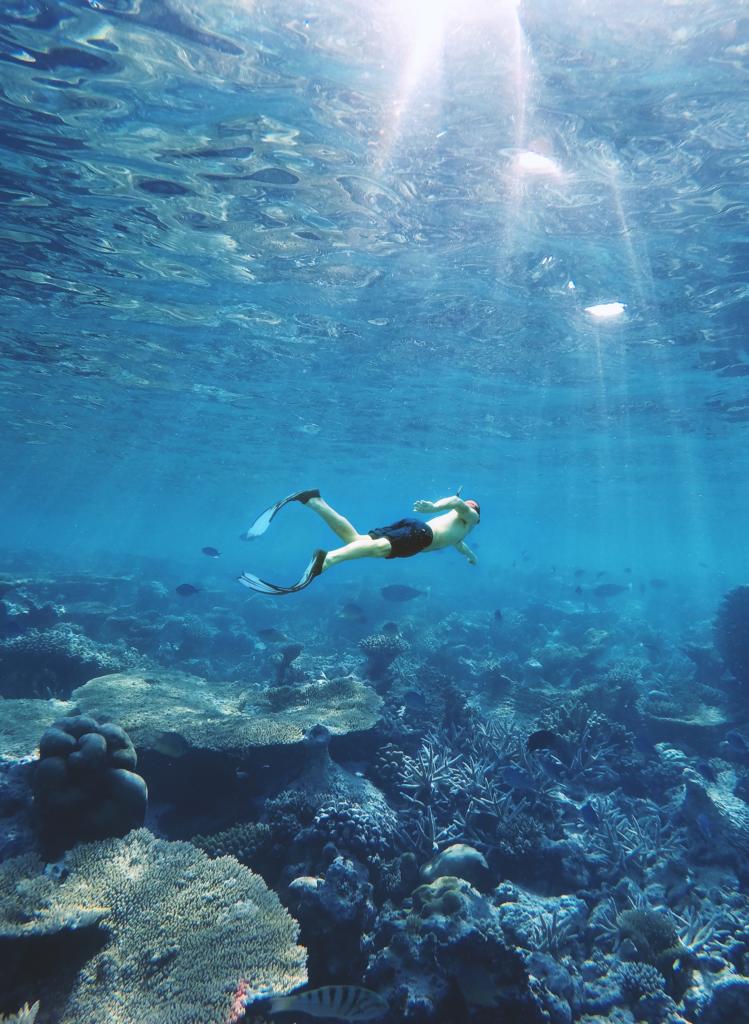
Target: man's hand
472,560
424,506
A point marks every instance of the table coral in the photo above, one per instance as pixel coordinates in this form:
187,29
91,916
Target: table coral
168,711
184,932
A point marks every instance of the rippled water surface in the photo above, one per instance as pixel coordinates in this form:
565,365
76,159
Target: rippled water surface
253,246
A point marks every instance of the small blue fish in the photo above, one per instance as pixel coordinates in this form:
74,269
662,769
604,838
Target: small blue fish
211,552
187,590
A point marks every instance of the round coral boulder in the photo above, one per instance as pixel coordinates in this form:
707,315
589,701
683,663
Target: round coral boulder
84,783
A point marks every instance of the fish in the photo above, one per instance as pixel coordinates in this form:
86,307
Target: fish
352,612
390,628
211,552
658,584
498,615
271,635
542,739
291,653
336,1002
589,814
186,590
401,592
414,700
578,589
578,573
609,589
736,741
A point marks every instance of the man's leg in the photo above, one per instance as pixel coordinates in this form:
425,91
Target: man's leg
362,547
337,523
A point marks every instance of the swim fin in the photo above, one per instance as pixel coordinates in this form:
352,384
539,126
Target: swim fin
247,579
265,518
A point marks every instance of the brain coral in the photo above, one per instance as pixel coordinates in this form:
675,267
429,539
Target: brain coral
173,712
185,933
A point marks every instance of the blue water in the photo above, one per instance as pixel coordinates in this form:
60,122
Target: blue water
250,248
386,250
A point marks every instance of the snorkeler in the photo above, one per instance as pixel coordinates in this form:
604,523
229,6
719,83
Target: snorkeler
403,539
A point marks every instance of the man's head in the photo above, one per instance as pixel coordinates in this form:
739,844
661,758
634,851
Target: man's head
475,505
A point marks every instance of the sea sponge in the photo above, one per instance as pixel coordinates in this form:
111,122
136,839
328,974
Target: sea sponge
732,632
188,938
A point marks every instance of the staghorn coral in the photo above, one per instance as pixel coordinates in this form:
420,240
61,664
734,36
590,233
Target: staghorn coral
184,933
26,1015
171,711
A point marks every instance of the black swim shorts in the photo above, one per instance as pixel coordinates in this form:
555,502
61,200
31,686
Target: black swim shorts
407,537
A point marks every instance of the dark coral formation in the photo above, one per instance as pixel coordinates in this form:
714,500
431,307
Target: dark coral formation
85,784
732,632
52,662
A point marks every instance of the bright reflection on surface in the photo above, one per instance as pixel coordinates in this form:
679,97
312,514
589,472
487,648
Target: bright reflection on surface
536,163
606,310
425,29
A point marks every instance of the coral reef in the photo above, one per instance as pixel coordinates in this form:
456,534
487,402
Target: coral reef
381,650
447,951
249,843
52,662
183,933
26,1015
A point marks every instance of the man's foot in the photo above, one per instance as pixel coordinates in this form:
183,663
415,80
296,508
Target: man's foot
318,561
304,496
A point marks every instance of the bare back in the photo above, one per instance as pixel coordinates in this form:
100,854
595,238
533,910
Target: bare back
448,529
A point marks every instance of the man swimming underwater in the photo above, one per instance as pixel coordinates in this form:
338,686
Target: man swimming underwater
403,539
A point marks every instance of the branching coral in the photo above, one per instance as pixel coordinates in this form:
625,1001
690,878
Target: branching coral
26,1015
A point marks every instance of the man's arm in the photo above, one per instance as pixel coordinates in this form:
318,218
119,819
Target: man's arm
445,504
463,548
